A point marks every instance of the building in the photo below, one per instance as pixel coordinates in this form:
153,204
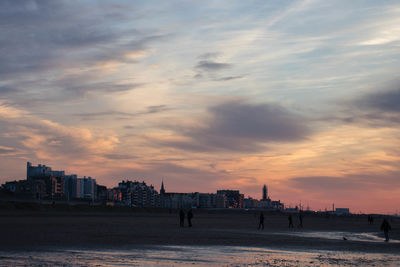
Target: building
277,205
102,193
138,194
232,199
207,201
62,186
342,211
39,171
250,203
32,189
114,195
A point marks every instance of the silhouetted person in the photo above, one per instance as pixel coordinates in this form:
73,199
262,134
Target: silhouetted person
189,217
261,224
370,219
290,221
182,218
300,220
385,227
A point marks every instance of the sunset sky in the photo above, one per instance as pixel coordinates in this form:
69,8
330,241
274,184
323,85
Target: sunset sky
303,96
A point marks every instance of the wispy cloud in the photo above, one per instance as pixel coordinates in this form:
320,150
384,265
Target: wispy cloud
207,65
123,115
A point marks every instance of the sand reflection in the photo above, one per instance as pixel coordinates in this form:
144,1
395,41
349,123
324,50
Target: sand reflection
196,255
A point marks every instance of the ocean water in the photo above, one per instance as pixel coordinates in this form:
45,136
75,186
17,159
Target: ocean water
339,235
196,256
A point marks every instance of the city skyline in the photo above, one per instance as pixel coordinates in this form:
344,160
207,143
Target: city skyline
44,183
302,96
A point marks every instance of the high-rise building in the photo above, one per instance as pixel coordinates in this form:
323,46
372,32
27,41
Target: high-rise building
62,186
41,171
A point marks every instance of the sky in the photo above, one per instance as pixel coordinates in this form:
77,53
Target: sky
303,96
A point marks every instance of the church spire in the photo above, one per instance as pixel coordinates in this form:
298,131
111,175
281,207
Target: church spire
162,190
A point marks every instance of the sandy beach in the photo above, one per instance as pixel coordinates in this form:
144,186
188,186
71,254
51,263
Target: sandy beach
43,229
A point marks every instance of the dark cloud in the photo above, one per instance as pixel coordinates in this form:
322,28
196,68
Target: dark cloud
123,115
269,122
43,40
208,65
229,78
210,55
157,109
380,109
119,156
77,87
240,126
387,101
37,34
7,90
365,118
6,150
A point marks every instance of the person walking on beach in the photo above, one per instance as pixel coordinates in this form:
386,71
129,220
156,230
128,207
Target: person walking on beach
300,220
261,224
189,217
182,218
385,227
290,221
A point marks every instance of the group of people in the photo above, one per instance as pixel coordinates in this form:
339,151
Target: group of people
182,217
385,226
290,218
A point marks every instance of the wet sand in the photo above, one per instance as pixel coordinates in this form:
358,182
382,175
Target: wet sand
36,230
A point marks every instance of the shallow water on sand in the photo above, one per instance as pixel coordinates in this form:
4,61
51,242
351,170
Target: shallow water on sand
196,255
339,235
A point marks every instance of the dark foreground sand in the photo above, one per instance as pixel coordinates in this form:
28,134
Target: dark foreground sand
57,229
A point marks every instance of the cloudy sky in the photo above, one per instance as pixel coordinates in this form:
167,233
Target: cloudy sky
303,96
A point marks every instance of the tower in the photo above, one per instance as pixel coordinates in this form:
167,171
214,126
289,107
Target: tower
162,190
28,168
265,193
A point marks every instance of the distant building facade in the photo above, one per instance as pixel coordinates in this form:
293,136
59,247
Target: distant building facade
44,183
232,198
342,211
138,194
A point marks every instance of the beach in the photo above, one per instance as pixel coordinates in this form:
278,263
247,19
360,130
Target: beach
37,229
27,231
